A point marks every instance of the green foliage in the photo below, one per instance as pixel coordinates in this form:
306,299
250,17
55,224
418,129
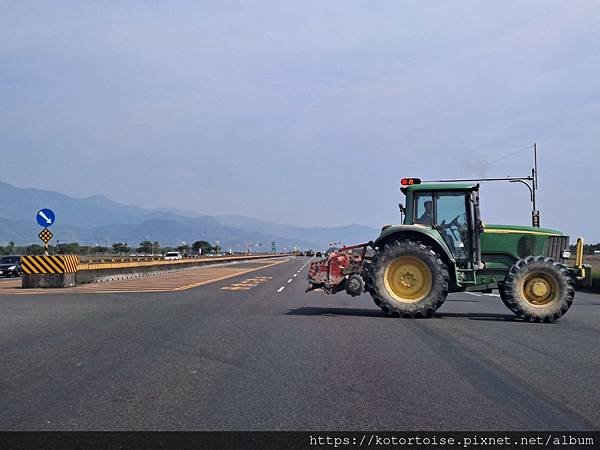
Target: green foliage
145,247
87,250
203,246
183,249
72,248
35,249
121,247
149,247
12,249
588,249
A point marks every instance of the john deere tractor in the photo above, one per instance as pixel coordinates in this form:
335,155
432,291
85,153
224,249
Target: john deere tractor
443,246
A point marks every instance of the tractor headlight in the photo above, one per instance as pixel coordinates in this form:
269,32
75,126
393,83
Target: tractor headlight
566,254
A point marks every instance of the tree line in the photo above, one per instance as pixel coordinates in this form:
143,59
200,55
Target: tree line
588,249
121,248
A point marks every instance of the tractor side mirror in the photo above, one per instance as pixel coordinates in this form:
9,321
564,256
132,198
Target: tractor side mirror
402,211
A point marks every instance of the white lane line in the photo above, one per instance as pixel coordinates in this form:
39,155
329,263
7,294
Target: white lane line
295,275
474,293
492,295
290,280
281,289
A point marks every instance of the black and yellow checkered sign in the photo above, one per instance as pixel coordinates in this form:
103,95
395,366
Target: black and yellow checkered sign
45,235
49,264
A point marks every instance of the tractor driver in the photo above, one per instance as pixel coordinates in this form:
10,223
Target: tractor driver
427,217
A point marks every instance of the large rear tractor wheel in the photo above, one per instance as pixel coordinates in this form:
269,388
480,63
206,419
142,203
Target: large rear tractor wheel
538,289
408,278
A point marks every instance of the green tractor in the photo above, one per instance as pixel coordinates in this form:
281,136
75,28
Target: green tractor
443,246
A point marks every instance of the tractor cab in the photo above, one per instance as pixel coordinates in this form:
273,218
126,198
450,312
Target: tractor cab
452,210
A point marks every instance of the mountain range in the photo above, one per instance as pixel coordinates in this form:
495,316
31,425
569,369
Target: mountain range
99,220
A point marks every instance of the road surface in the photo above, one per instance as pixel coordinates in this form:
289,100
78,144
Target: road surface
254,352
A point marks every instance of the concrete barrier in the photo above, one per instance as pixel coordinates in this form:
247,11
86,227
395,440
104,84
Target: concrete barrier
56,271
110,271
48,280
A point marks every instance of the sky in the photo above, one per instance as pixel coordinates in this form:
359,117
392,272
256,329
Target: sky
306,112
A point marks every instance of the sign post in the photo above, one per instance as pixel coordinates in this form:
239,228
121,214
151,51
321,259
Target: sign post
45,217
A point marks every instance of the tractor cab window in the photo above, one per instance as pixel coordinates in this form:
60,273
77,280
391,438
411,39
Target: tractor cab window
452,223
447,213
424,209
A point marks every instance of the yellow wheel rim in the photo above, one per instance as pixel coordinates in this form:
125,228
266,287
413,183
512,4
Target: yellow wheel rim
539,289
407,279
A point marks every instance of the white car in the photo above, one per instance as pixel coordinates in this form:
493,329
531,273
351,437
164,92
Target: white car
173,255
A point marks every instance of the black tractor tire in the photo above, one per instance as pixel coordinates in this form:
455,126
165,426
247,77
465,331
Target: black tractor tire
538,289
502,292
386,288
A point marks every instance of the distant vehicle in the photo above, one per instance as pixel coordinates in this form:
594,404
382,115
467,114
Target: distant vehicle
173,255
319,255
10,266
310,253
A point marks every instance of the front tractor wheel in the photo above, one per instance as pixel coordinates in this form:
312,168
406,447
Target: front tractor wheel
409,279
538,289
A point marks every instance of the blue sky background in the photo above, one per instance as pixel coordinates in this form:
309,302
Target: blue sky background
303,112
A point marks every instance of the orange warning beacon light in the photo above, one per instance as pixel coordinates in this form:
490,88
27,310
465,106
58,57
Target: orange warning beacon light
410,181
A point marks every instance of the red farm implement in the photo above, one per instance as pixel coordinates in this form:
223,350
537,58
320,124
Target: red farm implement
340,270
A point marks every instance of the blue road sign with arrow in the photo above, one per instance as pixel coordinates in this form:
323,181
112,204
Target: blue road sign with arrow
45,217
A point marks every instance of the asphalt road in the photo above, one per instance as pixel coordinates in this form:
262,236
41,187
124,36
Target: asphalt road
266,358
3,279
